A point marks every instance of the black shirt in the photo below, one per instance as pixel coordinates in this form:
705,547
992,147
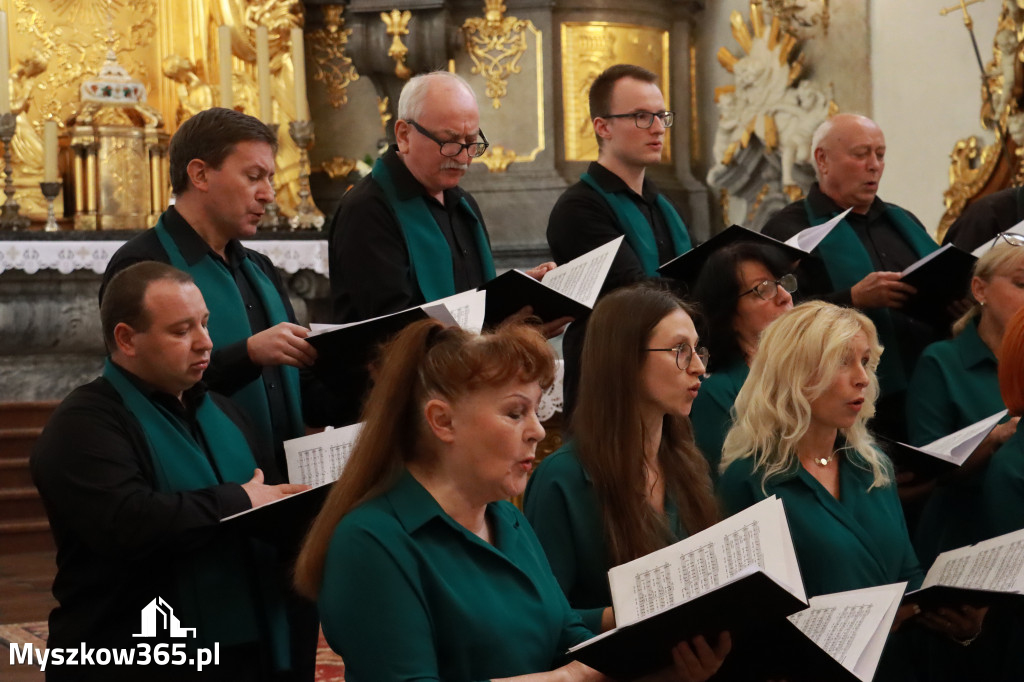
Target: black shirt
581,221
230,367
369,259
882,241
119,539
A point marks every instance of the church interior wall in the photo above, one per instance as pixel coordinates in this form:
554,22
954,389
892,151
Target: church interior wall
901,63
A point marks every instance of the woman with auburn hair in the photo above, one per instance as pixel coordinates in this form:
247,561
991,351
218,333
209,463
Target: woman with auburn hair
741,289
801,434
420,567
631,481
1003,490
955,385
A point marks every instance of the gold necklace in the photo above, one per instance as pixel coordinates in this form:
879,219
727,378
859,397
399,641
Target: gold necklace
825,461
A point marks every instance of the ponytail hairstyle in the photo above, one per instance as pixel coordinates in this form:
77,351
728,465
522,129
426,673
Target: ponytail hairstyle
425,360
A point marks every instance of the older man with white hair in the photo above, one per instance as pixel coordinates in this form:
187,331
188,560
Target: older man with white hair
861,259
408,234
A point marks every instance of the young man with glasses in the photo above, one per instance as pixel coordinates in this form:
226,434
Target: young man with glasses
614,197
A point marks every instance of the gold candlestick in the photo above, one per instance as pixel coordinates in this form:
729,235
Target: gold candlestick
50,191
307,215
272,218
10,219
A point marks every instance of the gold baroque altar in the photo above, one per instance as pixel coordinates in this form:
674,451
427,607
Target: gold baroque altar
168,45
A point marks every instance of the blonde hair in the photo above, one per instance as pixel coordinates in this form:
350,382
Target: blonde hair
996,261
799,356
425,360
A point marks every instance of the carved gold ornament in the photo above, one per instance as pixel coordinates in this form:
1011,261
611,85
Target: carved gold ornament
496,43
382,111
331,66
397,24
976,169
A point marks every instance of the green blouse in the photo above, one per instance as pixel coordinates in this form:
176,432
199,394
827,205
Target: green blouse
1003,489
956,384
711,413
859,540
563,509
409,594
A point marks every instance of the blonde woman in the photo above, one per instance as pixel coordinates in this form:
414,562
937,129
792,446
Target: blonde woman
801,434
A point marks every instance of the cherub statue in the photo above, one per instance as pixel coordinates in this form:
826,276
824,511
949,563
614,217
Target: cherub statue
194,94
801,112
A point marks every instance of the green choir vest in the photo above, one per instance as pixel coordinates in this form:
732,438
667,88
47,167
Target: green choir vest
848,262
638,231
229,323
430,257
216,584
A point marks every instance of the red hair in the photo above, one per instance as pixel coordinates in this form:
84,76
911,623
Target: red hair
1011,364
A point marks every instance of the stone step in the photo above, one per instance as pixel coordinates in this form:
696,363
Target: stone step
17,537
25,414
14,472
21,504
17,442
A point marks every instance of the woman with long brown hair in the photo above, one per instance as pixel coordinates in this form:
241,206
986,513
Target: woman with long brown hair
421,568
631,481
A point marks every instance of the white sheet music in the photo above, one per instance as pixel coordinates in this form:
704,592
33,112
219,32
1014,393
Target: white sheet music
959,445
852,626
318,459
581,278
466,309
756,537
808,240
996,564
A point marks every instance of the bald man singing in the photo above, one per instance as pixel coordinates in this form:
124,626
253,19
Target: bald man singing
861,259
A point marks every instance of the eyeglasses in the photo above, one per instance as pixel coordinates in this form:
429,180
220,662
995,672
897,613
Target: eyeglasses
767,290
451,148
645,119
684,355
1011,238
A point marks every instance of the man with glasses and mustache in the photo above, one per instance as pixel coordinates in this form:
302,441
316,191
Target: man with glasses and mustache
407,234
861,259
615,198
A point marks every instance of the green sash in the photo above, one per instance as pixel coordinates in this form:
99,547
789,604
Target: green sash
214,584
638,231
430,257
848,262
229,324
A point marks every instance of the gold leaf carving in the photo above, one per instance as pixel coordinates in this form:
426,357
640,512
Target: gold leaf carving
496,43
331,66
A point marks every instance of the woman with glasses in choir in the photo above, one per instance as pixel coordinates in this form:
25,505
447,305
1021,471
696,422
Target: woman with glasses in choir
955,385
631,481
741,289
421,568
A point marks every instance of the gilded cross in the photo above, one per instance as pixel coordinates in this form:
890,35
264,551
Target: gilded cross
968,22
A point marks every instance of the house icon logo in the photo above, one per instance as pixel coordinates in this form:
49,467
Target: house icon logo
158,617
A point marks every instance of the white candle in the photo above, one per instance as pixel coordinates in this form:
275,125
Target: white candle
5,66
299,64
263,74
224,51
50,151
